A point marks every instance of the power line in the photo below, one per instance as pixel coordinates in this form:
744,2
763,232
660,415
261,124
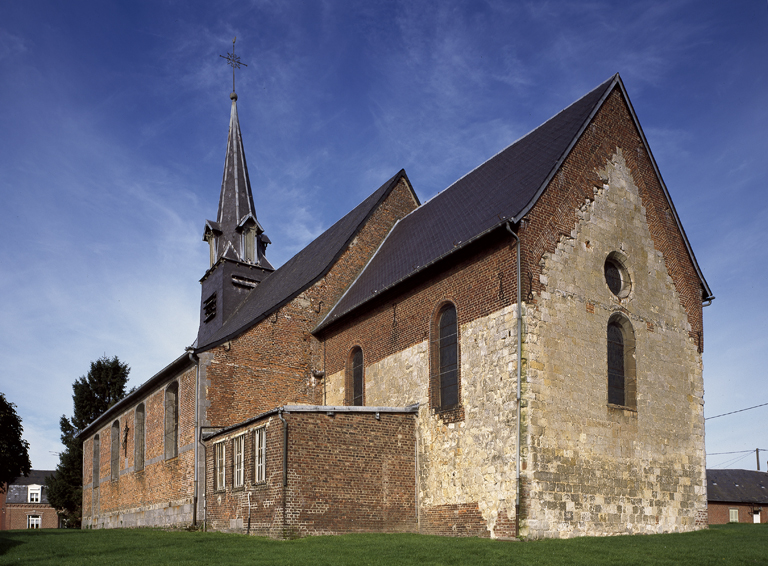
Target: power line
739,411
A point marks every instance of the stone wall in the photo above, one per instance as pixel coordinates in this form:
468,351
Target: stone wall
466,468
594,468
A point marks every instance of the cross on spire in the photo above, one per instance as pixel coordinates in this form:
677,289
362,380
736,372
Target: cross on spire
233,61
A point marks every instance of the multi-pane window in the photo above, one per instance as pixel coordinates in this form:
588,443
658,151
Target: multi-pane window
33,521
138,439
239,449
96,460
260,453
219,465
33,493
448,358
733,515
115,450
172,421
357,377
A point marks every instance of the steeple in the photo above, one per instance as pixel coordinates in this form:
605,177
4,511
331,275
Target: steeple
236,234
236,240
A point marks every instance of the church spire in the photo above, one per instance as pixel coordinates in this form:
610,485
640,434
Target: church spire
236,240
236,234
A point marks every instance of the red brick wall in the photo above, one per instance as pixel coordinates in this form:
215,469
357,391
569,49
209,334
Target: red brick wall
269,365
16,515
162,481
350,472
719,513
478,281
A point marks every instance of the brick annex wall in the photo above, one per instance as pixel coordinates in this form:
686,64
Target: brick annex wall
162,492
350,472
719,513
270,364
16,515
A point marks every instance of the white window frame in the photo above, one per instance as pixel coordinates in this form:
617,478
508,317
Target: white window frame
220,459
238,450
733,515
33,493
260,455
34,521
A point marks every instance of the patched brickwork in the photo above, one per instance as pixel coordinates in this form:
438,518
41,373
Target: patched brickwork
347,472
595,468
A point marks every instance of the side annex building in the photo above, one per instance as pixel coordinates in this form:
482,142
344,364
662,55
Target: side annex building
520,356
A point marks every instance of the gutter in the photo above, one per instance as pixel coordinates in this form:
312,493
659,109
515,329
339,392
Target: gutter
519,318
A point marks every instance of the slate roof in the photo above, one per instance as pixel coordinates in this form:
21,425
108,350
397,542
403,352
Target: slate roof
502,189
17,491
302,270
737,486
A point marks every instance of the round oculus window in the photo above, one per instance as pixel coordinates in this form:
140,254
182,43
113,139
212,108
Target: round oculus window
616,277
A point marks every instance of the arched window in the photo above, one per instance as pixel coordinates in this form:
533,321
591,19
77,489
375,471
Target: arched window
115,450
172,421
444,361
96,460
138,438
357,380
449,354
622,387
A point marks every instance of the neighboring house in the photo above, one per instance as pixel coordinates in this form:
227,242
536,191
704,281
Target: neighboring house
25,504
737,496
520,355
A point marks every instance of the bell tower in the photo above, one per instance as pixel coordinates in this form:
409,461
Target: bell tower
236,240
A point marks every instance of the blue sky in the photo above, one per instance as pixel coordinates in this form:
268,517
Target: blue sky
113,125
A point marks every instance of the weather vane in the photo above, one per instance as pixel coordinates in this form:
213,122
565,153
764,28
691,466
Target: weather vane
233,61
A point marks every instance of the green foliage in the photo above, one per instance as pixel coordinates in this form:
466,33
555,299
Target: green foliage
93,395
14,450
722,544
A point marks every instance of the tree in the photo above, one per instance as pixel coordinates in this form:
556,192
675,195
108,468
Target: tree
93,395
14,450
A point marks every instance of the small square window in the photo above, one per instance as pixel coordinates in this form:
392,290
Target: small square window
33,493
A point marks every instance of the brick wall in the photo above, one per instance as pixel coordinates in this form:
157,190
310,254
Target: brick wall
269,365
719,513
350,472
16,515
162,492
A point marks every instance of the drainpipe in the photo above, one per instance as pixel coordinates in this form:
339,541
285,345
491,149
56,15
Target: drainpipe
519,373
195,360
285,462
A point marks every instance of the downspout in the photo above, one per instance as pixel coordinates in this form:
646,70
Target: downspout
285,462
519,373
195,360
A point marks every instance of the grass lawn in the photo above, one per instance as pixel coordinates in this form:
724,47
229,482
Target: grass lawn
723,544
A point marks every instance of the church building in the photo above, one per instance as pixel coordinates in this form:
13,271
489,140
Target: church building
519,356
